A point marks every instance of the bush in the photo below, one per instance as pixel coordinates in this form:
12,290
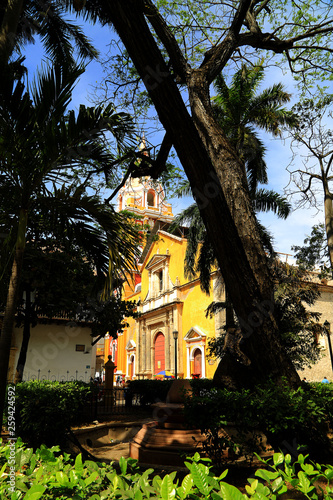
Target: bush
289,418
45,409
46,474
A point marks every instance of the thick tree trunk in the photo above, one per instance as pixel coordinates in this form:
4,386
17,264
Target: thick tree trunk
11,307
328,210
217,179
25,340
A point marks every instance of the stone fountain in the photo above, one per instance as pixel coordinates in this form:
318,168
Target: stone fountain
167,440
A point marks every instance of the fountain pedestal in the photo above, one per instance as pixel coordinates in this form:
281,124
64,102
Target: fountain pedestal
167,441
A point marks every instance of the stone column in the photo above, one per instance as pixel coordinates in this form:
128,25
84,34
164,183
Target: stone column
139,349
152,356
167,342
144,348
148,350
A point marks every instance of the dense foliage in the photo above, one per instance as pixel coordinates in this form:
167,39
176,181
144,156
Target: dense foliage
299,325
44,410
313,254
288,418
48,475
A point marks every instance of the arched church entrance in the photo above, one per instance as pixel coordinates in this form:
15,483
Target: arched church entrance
197,363
159,353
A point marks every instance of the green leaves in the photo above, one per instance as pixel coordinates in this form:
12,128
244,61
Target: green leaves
58,477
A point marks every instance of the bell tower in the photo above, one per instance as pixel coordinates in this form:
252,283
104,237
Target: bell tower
145,197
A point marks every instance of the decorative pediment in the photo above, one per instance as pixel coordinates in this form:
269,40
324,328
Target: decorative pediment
195,334
130,345
156,261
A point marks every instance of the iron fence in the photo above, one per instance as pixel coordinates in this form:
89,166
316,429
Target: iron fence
116,401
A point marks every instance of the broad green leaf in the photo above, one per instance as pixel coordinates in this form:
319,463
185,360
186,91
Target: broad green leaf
187,484
123,465
304,483
35,492
267,475
278,458
39,473
62,478
279,486
73,477
230,492
91,478
78,465
309,469
20,484
199,479
168,491
223,475
138,495
253,486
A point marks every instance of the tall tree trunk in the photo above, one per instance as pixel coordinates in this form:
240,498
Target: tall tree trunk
217,180
25,340
328,210
11,307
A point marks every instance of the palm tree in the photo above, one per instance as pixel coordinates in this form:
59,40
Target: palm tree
240,109
22,20
66,226
40,144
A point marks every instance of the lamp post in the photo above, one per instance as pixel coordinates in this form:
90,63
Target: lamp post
327,327
175,336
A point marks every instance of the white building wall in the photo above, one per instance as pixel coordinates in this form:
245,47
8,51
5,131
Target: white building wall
52,353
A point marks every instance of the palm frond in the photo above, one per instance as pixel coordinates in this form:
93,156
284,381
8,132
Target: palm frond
269,200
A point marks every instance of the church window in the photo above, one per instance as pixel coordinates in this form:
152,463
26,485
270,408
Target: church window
160,280
151,199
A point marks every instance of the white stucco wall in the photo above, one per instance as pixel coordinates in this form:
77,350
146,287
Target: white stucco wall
52,352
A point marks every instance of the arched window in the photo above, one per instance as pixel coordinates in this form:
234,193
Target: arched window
151,198
159,353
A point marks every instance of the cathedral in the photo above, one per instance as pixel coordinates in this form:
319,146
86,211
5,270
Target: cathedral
172,333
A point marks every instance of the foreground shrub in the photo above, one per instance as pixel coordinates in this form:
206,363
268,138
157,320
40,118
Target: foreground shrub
45,409
289,418
47,475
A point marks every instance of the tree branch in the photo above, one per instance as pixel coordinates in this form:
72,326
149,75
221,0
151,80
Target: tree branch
178,61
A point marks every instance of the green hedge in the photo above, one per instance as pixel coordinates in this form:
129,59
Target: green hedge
45,409
46,474
289,418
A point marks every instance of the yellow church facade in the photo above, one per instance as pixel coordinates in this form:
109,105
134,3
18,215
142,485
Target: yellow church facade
172,305
169,304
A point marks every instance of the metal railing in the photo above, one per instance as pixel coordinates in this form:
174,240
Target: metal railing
116,401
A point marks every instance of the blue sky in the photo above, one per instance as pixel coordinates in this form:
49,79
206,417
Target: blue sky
286,233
